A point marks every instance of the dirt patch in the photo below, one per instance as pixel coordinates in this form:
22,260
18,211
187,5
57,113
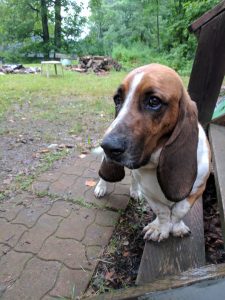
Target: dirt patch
119,265
24,135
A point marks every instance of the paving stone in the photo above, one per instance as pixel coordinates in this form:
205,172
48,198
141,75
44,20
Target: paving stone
36,280
40,187
69,281
49,176
29,215
93,252
47,297
60,186
127,178
121,189
9,210
118,201
70,252
97,235
101,202
10,233
4,249
61,208
75,225
106,218
33,239
75,170
11,266
91,173
77,190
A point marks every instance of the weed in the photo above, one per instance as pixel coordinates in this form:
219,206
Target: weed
81,202
2,196
77,128
23,182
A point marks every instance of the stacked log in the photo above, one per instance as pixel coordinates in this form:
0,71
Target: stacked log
18,69
97,64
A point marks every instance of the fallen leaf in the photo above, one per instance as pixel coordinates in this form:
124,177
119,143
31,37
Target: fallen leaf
90,183
108,275
44,151
126,253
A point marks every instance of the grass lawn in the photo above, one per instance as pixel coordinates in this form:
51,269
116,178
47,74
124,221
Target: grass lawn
36,111
87,92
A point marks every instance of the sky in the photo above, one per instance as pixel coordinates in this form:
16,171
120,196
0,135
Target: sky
85,11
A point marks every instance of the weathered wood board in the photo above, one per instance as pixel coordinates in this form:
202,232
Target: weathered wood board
175,255
172,283
217,140
209,67
208,16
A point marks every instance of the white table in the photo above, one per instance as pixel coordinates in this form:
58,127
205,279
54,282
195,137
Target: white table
55,63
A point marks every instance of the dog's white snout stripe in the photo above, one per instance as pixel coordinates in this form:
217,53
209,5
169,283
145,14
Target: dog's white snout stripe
127,103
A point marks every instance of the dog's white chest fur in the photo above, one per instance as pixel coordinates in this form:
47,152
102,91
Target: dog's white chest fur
148,184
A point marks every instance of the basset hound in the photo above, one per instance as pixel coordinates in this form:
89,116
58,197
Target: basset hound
156,134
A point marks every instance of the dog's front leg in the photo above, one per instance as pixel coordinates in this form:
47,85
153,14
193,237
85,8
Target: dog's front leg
179,210
100,189
160,228
135,192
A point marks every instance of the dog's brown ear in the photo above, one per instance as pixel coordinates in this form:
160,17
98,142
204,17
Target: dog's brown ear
111,172
177,168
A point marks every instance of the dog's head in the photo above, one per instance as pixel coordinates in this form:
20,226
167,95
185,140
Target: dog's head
153,110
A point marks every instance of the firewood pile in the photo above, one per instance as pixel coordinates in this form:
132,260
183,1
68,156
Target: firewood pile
97,64
18,69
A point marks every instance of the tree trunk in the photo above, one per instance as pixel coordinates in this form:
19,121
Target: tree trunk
45,32
58,25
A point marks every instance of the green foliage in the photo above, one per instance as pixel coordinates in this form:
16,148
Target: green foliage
137,32
134,32
23,31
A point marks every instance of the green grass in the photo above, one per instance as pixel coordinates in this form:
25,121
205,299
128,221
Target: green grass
50,93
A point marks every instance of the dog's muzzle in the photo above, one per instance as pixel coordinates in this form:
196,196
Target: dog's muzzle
114,146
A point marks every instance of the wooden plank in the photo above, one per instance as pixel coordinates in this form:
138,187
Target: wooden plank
208,16
175,255
187,278
208,68
217,140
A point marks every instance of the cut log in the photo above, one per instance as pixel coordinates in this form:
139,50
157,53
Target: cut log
97,64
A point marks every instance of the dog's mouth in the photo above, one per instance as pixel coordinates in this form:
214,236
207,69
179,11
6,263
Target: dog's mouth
126,160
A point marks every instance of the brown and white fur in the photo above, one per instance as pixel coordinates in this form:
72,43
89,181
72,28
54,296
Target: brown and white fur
156,134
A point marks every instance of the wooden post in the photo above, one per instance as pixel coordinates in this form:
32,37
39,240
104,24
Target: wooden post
175,255
209,64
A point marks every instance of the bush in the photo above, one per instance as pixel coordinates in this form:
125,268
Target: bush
138,54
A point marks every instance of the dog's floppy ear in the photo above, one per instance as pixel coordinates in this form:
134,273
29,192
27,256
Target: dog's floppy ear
111,172
177,168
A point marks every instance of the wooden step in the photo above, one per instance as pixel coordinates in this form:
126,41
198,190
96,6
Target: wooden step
217,141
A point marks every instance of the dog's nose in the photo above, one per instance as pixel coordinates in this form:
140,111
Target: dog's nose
113,146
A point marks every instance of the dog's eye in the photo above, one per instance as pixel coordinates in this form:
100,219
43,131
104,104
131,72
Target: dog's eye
153,103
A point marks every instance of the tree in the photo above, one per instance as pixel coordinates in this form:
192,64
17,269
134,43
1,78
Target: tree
38,25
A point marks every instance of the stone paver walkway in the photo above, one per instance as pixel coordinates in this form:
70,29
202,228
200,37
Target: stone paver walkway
51,239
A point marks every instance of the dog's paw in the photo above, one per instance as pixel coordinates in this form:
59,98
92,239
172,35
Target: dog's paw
180,229
100,189
135,194
157,232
